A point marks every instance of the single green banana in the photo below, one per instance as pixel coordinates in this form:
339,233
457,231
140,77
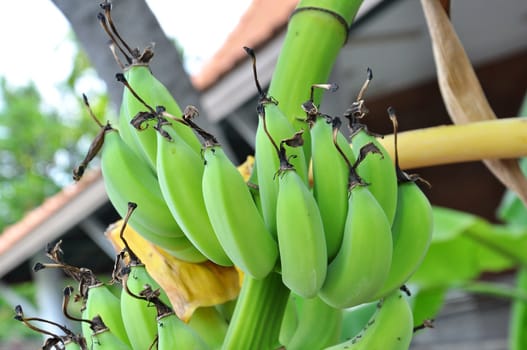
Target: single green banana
412,230
301,238
378,171
102,302
319,326
104,339
179,247
273,124
390,327
180,173
138,315
234,216
141,87
361,266
128,179
172,333
210,325
412,226
330,178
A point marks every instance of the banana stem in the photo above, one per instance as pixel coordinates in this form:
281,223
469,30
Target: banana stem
258,314
446,144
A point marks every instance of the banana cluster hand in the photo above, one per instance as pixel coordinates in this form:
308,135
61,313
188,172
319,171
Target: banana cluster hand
353,233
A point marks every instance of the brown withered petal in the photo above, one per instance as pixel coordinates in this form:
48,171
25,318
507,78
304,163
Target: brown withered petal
462,93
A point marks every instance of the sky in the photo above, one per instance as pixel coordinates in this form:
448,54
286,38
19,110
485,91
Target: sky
40,53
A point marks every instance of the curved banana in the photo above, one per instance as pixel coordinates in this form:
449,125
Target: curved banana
141,88
390,327
361,266
104,339
234,216
180,172
411,233
127,177
319,326
101,301
330,179
377,170
272,123
172,333
301,238
289,322
138,316
179,247
210,325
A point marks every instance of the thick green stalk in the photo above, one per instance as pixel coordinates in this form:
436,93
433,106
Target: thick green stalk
258,314
316,32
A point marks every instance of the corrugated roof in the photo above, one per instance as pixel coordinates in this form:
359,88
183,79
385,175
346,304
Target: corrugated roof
260,22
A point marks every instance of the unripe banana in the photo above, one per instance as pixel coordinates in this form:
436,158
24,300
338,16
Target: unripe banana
377,170
172,333
391,327
138,316
234,216
361,266
142,87
301,238
210,325
104,339
274,123
102,302
411,233
290,321
128,179
180,172
319,326
330,179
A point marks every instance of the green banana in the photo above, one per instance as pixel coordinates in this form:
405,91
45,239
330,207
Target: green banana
127,178
172,333
141,87
103,339
411,233
412,226
301,238
234,216
102,302
390,327
361,266
354,318
210,325
319,326
330,177
138,316
180,172
379,170
274,123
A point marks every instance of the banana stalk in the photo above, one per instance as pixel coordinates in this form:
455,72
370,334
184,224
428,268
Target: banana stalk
316,32
257,317
446,144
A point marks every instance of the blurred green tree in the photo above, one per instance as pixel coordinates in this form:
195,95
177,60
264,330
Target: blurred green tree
39,144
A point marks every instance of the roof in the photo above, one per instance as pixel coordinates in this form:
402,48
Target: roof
262,20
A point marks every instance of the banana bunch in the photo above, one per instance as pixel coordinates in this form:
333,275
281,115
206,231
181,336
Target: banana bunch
341,226
130,312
